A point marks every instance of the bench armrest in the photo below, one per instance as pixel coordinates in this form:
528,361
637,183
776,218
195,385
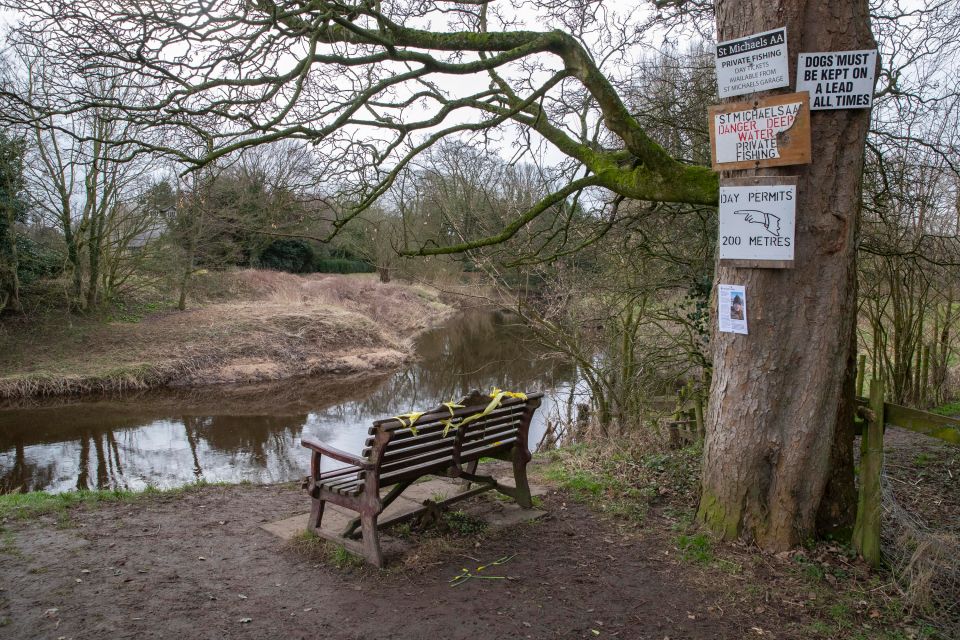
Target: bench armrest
337,454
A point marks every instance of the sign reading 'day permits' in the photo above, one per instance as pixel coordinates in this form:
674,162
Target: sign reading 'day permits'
757,222
753,63
838,79
767,132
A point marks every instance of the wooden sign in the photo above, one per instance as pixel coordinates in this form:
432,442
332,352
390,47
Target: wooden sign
758,222
766,132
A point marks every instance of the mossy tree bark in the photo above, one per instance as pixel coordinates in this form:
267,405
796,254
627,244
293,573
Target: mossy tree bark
778,451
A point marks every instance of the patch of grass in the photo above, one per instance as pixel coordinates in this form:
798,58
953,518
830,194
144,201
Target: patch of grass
624,482
922,460
38,503
683,518
819,628
841,615
4,621
581,482
696,548
809,569
8,544
343,559
463,524
64,521
402,530
309,544
948,409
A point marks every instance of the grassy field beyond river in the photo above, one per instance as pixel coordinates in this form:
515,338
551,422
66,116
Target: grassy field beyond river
255,325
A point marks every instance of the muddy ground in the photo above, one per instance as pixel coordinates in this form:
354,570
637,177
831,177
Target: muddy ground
198,565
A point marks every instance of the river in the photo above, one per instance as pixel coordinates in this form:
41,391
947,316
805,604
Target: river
169,438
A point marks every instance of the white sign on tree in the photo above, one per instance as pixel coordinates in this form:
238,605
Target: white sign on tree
752,134
838,79
766,132
757,221
753,63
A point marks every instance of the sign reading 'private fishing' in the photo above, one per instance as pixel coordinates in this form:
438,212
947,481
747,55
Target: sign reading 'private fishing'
767,132
753,63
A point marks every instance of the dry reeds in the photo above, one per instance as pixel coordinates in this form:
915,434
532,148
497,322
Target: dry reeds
285,326
925,564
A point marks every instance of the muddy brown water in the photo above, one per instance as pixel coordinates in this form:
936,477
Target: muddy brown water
252,433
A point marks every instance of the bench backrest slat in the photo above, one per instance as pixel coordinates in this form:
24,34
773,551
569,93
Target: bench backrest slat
412,448
481,438
434,433
401,454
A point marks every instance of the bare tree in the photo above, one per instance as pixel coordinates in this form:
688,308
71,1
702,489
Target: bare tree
374,84
12,209
81,175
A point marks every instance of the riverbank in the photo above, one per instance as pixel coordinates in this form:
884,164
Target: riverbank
194,562
254,326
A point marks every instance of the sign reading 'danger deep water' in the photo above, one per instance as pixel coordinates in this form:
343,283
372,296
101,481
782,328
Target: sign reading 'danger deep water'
757,219
838,79
753,63
767,132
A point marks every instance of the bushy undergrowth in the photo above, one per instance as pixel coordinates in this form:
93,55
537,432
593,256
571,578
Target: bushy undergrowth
625,481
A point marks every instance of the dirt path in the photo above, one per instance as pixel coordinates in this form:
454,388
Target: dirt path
197,565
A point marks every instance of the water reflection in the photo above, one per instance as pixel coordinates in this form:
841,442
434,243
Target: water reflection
253,433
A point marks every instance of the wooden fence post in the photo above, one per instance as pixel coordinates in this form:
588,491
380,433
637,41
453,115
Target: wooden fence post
866,532
861,373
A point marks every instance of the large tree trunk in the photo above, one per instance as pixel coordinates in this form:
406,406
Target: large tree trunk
778,450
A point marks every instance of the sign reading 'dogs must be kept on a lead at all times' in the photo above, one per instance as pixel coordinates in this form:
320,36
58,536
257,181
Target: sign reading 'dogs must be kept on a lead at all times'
838,79
753,63
757,221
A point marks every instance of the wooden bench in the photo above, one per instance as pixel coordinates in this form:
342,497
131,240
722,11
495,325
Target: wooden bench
397,455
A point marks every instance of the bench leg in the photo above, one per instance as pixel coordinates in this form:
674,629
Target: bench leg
316,514
472,470
523,497
371,539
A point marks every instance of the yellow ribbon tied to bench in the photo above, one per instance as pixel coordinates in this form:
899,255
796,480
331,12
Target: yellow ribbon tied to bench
407,420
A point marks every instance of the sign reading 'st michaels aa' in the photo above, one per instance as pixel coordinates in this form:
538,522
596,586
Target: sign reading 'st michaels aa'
753,63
